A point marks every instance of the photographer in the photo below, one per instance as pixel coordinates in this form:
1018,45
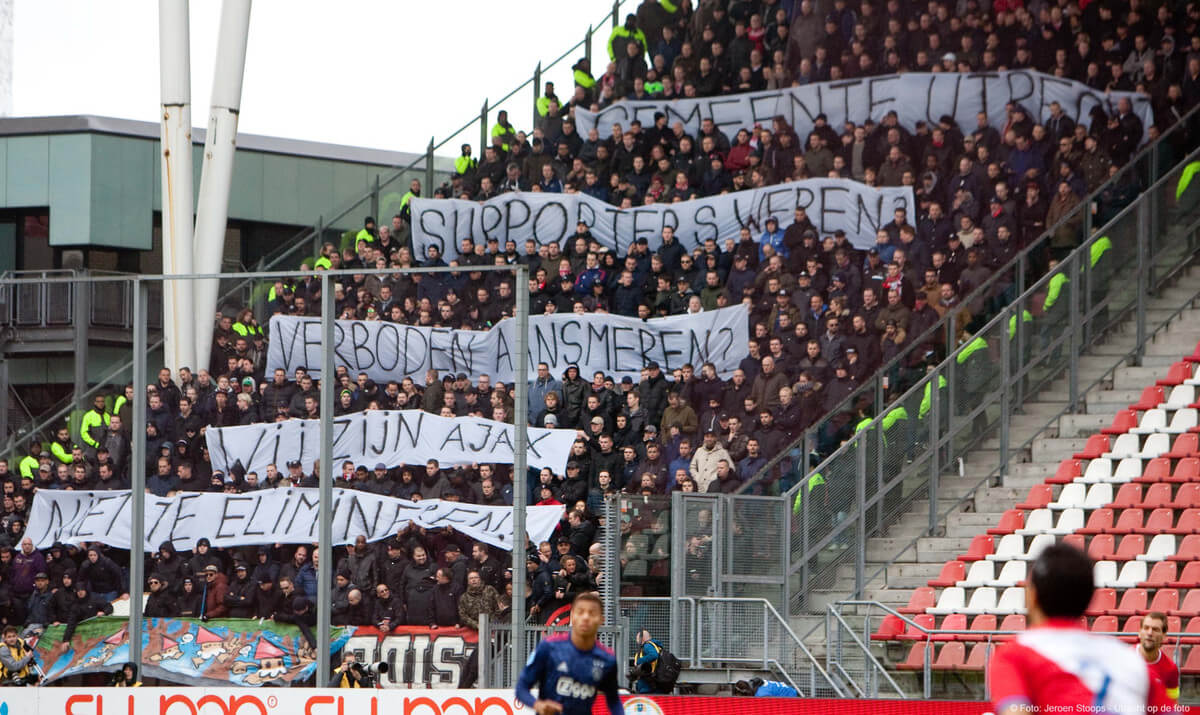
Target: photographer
16,660
350,674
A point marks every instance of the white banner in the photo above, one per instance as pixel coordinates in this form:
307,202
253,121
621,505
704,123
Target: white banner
832,204
267,516
615,344
394,437
914,96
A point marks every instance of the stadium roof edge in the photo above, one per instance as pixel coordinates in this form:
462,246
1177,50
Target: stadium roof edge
87,123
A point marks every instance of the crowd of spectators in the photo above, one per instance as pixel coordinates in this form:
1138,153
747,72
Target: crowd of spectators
824,314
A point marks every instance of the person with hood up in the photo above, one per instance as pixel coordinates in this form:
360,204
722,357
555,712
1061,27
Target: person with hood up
102,576
170,566
191,601
202,558
126,677
83,606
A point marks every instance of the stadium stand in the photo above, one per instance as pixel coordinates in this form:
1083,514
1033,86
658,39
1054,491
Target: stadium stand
1130,495
1142,539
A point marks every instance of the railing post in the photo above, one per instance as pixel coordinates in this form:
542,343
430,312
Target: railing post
375,203
137,473
483,128
5,387
860,496
80,291
951,375
616,13
587,46
1005,376
484,646
766,636
319,236
880,403
537,92
429,169
1143,282
935,449
1068,267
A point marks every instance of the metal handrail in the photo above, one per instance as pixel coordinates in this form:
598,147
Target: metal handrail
979,293
866,651
944,438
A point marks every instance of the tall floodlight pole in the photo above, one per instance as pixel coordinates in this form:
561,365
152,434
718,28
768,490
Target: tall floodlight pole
325,510
6,56
179,315
212,213
137,487
520,465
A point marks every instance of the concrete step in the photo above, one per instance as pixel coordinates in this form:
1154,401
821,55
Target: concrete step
1057,449
1135,378
1082,425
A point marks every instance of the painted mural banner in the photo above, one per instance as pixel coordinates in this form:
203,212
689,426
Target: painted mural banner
245,652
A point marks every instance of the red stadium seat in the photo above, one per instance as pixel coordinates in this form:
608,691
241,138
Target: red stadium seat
1010,521
1192,631
1130,630
916,657
981,546
1187,496
1189,522
1158,495
1011,622
1129,522
1039,496
1133,602
1075,540
1166,600
1103,601
952,622
889,628
1156,470
952,573
984,622
1104,624
1131,547
1096,445
951,656
1124,421
1185,445
1189,578
1162,575
1160,522
1176,374
1191,666
1102,548
921,598
1129,496
919,629
1068,469
1189,549
1152,397
1099,522
1195,356
1190,608
1186,470
977,658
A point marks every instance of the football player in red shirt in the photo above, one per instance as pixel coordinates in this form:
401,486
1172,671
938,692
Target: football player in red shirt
1150,641
1057,665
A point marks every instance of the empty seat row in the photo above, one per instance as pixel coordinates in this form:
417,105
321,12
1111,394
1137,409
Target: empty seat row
986,626
1137,601
1128,496
1134,521
1156,396
953,656
983,600
1126,470
1142,446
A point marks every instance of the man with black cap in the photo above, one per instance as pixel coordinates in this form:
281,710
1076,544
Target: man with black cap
37,606
160,603
653,393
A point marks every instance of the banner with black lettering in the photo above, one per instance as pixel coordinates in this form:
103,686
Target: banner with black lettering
393,437
914,96
267,516
419,657
615,344
832,204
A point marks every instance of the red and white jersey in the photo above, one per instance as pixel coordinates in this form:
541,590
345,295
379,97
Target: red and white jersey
1166,671
1061,665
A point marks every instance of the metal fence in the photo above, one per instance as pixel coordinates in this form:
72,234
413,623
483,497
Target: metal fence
496,654
1150,165
966,402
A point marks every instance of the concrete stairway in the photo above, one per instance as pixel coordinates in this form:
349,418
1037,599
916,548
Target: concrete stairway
1060,437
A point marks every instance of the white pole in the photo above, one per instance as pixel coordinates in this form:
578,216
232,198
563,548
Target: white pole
176,139
6,56
219,145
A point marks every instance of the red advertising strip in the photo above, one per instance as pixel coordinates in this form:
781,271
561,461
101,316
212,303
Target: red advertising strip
728,705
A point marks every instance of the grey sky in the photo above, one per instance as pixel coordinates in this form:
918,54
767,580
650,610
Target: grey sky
380,74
